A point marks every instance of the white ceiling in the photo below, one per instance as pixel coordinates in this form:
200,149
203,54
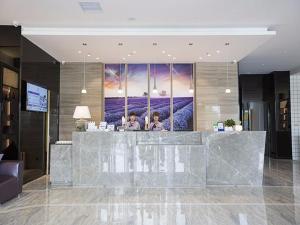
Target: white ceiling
281,52
149,46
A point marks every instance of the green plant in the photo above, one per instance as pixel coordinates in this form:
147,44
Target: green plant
229,123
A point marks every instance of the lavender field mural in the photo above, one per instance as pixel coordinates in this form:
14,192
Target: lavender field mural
137,91
159,94
114,93
183,97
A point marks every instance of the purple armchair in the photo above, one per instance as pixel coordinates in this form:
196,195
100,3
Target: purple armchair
11,179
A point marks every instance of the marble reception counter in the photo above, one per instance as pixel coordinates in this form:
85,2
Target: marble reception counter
159,159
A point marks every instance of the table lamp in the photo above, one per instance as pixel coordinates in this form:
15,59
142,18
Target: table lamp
81,114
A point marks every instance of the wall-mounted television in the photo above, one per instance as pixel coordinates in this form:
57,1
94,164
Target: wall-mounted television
34,97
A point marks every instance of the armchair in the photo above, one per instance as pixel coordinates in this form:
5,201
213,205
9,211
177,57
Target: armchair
11,179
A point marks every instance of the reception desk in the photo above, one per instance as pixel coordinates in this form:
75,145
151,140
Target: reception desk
159,159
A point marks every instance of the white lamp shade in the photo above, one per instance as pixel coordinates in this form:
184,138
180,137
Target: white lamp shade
82,112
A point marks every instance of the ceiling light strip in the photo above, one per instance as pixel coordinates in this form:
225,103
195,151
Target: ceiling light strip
147,31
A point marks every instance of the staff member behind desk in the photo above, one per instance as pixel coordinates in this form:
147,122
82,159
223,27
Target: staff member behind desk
156,125
132,124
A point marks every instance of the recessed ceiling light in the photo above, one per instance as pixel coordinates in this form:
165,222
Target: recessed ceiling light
79,52
190,44
154,44
200,58
133,52
97,58
208,54
124,58
90,6
169,55
88,54
218,51
163,52
129,55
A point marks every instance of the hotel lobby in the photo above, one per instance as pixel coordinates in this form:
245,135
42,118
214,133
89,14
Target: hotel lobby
149,112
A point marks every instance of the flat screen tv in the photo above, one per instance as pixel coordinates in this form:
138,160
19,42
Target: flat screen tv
36,98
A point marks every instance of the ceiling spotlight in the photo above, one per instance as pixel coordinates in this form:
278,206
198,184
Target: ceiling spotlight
218,51
208,54
190,44
129,55
83,91
133,52
15,23
120,44
200,58
79,52
88,54
97,58
124,58
163,52
154,44
227,91
169,55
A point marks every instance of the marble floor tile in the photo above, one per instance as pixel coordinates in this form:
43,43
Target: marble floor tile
277,202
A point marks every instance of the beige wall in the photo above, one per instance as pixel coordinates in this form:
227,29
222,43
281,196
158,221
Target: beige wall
212,104
71,83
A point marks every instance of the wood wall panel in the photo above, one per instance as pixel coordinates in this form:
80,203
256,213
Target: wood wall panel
71,83
212,104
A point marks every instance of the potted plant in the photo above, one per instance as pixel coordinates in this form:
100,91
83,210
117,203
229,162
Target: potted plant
229,124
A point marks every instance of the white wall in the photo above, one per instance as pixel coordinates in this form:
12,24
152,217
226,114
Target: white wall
295,114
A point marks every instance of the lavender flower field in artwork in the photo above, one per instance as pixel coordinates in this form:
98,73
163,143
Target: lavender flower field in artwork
183,113
114,110
161,105
135,84
139,105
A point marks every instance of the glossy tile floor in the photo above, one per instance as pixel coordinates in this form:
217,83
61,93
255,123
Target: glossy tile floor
277,202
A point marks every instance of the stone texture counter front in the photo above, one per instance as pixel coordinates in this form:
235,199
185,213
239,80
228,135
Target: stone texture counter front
164,159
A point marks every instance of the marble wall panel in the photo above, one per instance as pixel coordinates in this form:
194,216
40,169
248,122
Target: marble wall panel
170,165
235,158
61,164
169,138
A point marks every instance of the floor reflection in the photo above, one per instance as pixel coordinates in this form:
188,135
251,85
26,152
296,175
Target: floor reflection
277,202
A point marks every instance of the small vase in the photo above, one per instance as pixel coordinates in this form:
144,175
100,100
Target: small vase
228,128
238,128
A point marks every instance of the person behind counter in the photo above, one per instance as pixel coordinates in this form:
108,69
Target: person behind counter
132,124
156,125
